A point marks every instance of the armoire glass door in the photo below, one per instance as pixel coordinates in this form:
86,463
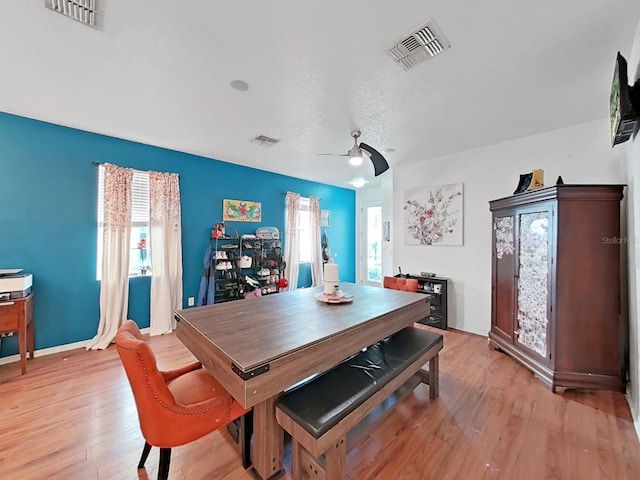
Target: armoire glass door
503,271
533,281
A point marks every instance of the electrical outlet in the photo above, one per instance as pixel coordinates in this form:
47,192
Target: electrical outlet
191,301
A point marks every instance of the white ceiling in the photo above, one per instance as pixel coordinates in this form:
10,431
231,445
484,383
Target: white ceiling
158,72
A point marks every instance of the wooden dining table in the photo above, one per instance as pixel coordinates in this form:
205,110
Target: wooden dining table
257,348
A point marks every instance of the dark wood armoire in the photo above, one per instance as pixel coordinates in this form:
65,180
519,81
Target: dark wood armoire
555,284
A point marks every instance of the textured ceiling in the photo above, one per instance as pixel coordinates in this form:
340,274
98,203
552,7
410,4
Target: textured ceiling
158,72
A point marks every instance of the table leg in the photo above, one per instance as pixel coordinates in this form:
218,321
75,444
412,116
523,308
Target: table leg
268,441
434,377
30,340
22,343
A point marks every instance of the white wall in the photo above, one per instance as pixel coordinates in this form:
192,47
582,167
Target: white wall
581,154
633,246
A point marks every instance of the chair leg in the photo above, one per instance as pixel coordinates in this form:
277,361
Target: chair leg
163,468
246,430
145,454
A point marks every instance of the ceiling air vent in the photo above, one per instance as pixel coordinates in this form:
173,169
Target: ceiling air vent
422,44
265,141
84,11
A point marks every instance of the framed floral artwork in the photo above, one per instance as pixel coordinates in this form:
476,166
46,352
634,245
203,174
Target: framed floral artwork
433,215
241,211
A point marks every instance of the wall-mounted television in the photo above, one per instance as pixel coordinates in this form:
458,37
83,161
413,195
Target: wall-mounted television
624,103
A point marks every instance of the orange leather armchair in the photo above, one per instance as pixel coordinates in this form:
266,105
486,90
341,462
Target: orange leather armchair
398,283
174,407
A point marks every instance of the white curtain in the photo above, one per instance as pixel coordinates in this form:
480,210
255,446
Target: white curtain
292,240
116,238
165,242
316,245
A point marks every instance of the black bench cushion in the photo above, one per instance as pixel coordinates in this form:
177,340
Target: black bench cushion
324,401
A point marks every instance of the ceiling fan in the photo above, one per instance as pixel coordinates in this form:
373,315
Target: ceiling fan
358,152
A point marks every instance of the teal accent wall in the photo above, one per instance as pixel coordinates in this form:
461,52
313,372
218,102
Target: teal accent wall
48,197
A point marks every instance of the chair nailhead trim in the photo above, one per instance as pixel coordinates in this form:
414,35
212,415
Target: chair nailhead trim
224,402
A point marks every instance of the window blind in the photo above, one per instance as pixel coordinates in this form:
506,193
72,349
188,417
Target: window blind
139,198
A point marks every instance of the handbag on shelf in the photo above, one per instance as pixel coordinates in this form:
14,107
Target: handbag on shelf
244,262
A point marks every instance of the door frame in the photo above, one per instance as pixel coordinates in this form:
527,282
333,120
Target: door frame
362,243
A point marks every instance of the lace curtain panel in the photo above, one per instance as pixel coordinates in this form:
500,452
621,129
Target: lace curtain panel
316,245
292,239
165,240
114,285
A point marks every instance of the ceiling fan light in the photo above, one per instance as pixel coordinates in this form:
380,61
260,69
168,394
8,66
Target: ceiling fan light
355,161
355,156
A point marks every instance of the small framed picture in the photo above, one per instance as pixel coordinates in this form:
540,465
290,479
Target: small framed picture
325,218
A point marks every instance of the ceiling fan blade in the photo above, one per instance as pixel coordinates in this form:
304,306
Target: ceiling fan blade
380,165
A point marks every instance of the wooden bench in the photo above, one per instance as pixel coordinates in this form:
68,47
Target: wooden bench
319,414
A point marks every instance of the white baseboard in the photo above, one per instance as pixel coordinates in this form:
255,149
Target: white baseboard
56,349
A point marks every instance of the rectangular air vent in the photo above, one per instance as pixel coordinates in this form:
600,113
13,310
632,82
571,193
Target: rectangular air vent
420,45
265,141
83,11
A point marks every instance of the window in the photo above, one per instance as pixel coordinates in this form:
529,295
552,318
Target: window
304,231
140,255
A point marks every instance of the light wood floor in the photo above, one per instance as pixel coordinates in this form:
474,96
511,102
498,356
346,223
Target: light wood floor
72,416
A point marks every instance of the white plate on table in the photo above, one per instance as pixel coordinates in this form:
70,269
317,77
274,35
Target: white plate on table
331,298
